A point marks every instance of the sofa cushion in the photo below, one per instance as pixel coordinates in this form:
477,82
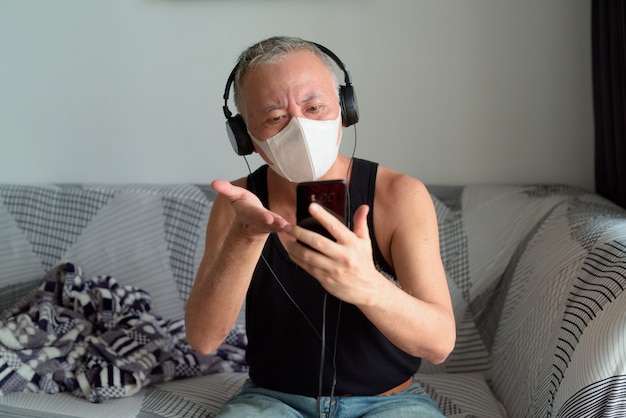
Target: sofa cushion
458,396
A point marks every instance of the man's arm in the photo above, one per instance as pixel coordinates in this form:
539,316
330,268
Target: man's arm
417,315
236,232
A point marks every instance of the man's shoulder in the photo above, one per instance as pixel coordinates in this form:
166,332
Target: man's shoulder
241,182
396,181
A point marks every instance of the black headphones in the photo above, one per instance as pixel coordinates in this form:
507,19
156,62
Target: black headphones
236,127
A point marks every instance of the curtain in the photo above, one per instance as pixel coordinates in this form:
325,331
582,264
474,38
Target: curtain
608,31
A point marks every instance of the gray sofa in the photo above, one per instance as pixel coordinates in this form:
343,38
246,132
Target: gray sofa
537,276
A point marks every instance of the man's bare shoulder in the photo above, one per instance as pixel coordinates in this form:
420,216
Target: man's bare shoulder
241,182
400,198
403,211
391,184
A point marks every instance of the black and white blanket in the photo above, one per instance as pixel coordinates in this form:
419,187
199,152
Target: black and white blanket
97,339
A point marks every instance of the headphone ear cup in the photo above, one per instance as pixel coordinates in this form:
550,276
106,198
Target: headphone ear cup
239,136
349,106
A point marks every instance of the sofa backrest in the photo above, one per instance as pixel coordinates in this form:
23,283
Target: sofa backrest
536,273
149,236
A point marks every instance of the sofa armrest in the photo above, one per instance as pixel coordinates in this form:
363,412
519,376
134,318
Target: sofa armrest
560,346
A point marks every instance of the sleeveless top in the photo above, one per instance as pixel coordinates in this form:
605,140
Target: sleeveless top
285,313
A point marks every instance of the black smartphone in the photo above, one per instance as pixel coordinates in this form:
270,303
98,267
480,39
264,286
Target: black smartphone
331,194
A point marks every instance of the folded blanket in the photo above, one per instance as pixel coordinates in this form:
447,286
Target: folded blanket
97,339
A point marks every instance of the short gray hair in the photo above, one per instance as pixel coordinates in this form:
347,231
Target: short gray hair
270,51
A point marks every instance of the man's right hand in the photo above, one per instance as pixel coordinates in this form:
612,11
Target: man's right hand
250,214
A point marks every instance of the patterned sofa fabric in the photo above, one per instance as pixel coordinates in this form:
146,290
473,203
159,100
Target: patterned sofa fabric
151,236
536,275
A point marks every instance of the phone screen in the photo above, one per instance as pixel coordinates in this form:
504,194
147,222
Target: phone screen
331,194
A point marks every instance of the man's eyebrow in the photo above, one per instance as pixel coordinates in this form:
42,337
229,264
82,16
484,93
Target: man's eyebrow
277,106
271,107
311,97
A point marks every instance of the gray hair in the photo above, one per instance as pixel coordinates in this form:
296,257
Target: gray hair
270,51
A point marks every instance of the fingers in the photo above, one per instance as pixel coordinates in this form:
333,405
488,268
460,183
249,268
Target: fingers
221,186
338,266
250,212
334,226
329,221
233,193
360,221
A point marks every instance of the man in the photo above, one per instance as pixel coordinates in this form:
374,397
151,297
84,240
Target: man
333,324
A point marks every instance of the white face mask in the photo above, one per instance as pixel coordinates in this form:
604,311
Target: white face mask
304,150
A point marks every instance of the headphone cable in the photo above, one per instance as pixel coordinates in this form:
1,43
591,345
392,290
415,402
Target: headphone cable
322,337
322,357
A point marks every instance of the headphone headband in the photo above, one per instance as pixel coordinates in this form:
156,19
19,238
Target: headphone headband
229,82
236,127
335,58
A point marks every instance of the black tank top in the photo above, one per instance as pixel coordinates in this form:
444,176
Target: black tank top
284,340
